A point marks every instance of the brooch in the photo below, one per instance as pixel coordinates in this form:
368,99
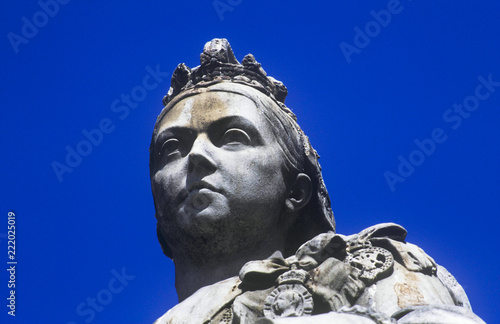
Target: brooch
374,262
290,298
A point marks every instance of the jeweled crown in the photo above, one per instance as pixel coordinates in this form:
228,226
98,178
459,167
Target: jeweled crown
293,276
218,63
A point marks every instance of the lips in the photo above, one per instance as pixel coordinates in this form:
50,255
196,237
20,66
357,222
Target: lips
202,185
199,194
194,192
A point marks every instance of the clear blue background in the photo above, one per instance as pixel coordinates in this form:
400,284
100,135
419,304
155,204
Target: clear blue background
360,116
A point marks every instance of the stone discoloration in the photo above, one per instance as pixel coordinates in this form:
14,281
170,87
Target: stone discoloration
408,295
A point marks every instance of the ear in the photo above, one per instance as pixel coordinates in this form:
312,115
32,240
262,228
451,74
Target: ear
300,193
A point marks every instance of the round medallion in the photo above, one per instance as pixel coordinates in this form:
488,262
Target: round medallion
374,262
289,300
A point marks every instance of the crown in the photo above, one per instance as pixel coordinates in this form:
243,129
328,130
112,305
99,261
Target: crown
218,64
293,276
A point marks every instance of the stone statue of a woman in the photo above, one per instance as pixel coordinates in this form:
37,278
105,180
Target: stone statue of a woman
244,213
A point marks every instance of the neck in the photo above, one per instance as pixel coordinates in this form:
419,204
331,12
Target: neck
193,274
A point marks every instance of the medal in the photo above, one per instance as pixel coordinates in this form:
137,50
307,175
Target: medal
374,262
290,298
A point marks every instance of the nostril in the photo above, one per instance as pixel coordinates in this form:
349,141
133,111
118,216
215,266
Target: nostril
199,161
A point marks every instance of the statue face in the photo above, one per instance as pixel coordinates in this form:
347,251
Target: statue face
218,171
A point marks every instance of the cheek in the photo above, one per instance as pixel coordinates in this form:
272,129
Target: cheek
259,175
167,183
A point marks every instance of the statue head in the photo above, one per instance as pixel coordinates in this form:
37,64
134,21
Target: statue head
228,161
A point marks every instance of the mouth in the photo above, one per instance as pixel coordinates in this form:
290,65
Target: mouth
200,194
202,185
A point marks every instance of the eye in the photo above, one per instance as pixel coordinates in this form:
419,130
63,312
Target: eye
170,146
234,136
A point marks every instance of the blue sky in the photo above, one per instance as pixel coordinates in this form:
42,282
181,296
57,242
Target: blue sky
413,87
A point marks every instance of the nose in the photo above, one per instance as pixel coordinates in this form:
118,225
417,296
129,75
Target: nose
200,156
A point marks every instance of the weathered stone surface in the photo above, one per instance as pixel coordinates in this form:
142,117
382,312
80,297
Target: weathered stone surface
243,212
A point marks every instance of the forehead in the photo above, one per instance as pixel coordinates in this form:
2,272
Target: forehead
201,110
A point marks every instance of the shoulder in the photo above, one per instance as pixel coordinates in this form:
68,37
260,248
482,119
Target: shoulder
377,270
415,278
204,304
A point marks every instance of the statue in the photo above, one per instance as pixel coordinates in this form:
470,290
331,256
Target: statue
244,213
